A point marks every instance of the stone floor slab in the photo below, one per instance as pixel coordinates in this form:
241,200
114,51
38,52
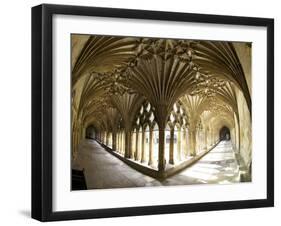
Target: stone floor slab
103,170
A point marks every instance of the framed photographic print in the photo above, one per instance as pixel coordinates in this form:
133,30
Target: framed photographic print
146,112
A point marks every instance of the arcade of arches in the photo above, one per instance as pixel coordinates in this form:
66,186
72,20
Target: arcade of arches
161,105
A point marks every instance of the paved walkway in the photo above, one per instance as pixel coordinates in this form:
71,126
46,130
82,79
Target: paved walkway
103,170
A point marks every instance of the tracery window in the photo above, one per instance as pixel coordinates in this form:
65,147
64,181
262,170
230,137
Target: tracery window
177,135
145,136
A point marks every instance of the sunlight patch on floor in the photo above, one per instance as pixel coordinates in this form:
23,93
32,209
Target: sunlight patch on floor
218,166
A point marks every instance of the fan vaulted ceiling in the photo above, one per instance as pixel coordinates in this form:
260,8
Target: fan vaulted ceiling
110,73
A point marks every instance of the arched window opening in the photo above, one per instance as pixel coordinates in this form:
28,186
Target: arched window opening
145,136
224,133
178,143
155,146
176,135
90,132
167,143
145,144
109,142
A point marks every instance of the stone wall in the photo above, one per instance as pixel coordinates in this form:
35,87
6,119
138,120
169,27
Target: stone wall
245,129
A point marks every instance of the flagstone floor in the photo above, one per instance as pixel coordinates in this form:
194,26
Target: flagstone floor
103,170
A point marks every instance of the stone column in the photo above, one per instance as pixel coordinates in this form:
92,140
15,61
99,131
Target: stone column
119,142
206,141
237,132
123,143
198,139
192,141
150,161
184,144
143,147
161,150
137,146
84,133
127,144
131,149
171,151
179,144
107,139
211,137
113,140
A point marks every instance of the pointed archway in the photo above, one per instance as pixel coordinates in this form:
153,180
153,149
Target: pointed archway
224,133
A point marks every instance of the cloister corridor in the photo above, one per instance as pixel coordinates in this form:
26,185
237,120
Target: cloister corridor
218,166
151,111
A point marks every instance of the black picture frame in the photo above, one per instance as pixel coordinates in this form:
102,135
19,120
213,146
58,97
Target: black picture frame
42,107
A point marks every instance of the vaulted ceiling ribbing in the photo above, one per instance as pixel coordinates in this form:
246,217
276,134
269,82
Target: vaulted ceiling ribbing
120,73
